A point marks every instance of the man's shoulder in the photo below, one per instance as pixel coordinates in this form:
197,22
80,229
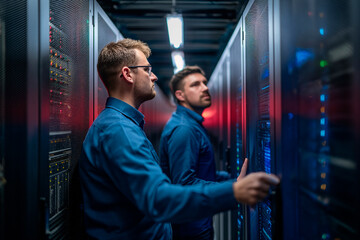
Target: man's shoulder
180,119
179,130
110,120
177,122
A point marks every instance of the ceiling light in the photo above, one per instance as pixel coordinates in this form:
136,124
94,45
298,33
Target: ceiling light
175,29
178,60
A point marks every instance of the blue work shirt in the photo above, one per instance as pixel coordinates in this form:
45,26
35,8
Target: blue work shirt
125,193
187,158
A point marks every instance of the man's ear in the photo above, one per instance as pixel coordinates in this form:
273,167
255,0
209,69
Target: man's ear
126,73
179,95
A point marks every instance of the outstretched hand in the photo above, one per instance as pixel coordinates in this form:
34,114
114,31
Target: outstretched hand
254,187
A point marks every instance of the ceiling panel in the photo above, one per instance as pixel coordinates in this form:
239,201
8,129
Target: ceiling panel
208,26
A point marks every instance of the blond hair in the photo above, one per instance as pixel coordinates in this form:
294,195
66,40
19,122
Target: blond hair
116,55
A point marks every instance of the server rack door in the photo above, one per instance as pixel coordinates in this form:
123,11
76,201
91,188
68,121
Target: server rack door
236,144
69,28
259,146
216,131
104,32
215,124
22,36
226,165
319,80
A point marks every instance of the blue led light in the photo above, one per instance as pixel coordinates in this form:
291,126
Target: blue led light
265,87
290,116
322,97
266,234
265,74
322,31
302,56
267,159
322,133
322,121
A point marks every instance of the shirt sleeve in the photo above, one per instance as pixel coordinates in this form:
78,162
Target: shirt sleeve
183,154
222,176
132,168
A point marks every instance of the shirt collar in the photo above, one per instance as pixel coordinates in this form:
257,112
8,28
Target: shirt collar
197,117
126,109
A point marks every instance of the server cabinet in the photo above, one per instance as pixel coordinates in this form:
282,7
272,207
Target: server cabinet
258,107
215,121
319,76
45,114
24,67
69,99
236,151
104,32
299,74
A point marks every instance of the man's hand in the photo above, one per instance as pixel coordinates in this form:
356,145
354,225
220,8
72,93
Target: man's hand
254,187
243,169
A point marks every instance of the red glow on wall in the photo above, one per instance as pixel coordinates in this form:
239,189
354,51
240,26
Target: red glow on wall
208,113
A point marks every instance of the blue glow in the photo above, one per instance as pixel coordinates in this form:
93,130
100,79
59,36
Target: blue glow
322,31
266,234
322,133
322,97
303,56
265,74
322,121
267,159
265,87
291,116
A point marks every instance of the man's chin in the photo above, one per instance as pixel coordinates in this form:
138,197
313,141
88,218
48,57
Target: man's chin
207,104
152,95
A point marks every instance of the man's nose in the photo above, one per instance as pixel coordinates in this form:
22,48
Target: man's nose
153,77
205,87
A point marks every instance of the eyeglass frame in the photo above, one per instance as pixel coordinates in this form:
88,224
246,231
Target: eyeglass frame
148,66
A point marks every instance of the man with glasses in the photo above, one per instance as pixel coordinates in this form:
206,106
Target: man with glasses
125,193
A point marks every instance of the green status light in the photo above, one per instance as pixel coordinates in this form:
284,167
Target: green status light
323,63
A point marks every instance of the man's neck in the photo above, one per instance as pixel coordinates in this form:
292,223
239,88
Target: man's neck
197,110
125,98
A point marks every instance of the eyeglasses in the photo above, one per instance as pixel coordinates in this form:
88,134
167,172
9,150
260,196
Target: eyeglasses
146,68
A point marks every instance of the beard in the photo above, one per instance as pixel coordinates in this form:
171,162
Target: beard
143,97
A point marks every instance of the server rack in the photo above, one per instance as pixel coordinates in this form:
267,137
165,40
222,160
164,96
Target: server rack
69,81
236,151
319,60
299,64
224,122
46,106
259,109
24,54
214,122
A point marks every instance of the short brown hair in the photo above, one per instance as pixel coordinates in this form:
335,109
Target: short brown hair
114,56
176,81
